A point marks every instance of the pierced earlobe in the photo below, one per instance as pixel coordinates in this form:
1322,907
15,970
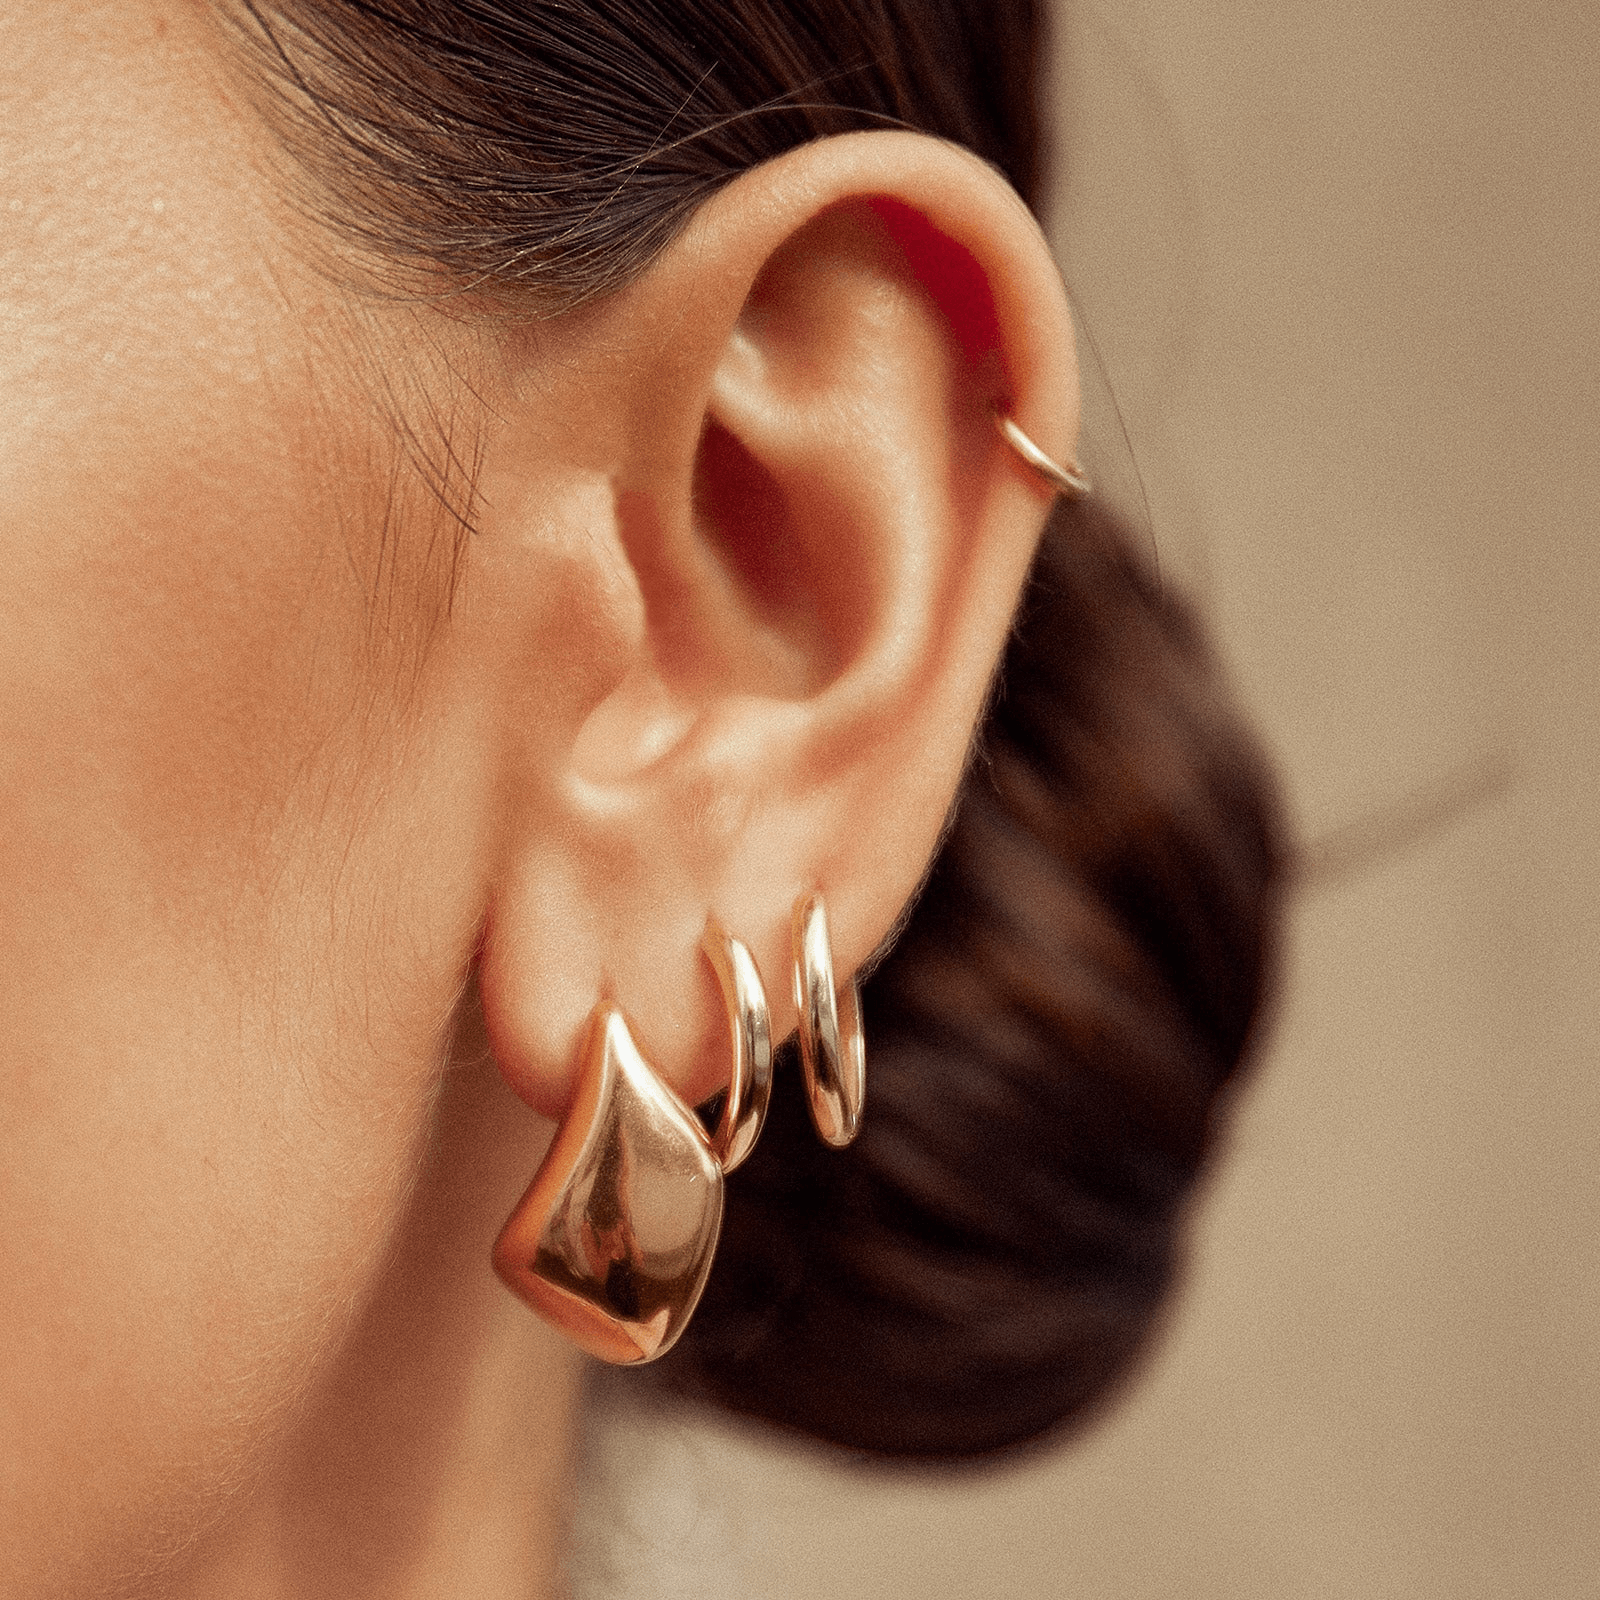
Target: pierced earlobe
613,1241
832,1048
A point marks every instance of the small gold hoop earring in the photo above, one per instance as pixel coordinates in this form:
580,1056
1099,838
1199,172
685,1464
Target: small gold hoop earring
832,1049
1065,480
750,1029
613,1241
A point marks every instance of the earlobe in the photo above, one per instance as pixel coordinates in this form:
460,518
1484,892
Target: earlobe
823,537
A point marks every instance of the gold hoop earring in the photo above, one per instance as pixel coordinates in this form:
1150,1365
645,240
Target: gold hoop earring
1068,481
750,1027
832,1049
613,1240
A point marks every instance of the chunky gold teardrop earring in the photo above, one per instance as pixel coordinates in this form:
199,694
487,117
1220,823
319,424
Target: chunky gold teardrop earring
613,1241
833,1055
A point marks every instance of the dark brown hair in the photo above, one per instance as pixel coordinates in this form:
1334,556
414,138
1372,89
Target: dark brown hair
1077,982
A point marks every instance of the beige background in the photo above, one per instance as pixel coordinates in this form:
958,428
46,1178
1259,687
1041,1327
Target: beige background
1341,264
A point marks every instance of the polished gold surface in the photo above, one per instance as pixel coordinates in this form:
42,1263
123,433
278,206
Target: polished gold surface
1068,481
832,1050
614,1238
750,1081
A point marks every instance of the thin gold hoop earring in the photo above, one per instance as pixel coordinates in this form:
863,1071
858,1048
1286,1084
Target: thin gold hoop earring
832,1049
614,1238
750,1027
1065,480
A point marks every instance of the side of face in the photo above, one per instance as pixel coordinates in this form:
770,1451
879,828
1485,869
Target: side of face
291,758
240,872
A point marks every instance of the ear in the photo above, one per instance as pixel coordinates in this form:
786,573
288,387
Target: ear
794,546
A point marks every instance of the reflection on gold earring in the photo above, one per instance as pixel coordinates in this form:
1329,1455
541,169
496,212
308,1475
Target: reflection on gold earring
832,1050
750,1080
614,1238
1066,480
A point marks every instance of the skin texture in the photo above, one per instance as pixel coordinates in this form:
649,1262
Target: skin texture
289,762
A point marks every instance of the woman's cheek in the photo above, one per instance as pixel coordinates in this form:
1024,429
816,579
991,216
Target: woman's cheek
238,863
237,874
206,1146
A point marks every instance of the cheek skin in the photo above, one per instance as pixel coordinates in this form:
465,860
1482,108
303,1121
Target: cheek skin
240,866
229,848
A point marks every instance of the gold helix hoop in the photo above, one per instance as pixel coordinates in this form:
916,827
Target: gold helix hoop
1065,480
832,1049
750,1026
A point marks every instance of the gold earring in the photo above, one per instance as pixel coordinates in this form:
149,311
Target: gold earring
613,1241
1066,480
832,1049
750,1024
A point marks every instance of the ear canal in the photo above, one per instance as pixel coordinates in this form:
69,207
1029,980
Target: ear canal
613,1241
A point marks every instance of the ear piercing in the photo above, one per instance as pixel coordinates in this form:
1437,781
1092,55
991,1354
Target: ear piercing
613,1241
1066,480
